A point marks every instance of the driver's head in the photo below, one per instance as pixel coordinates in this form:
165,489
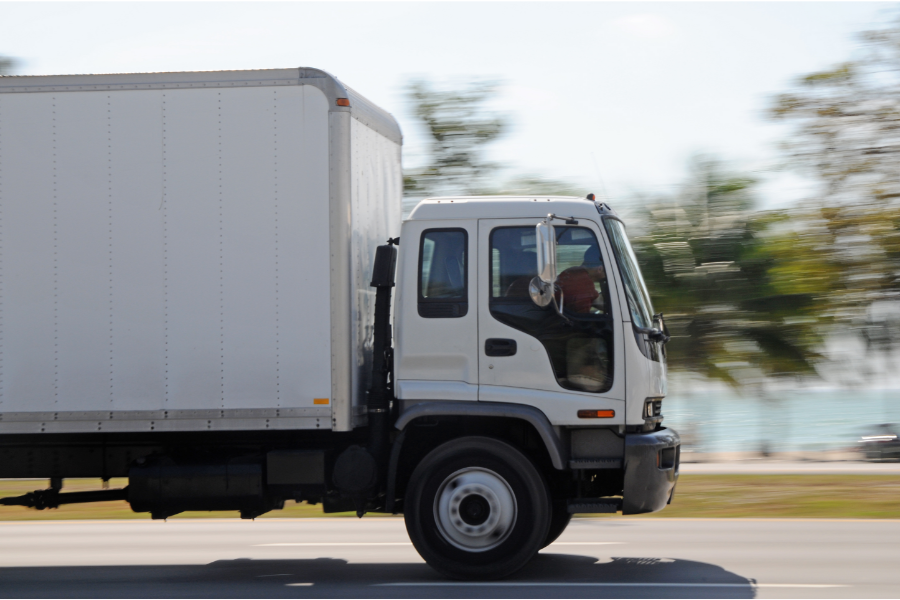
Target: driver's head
591,258
593,263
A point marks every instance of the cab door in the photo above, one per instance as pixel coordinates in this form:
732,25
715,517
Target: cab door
436,329
531,355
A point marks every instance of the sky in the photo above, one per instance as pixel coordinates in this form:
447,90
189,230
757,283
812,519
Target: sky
613,97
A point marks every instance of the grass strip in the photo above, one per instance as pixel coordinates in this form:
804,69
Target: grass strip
696,496
828,496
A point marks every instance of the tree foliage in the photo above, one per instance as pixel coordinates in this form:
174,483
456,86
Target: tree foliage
7,65
459,127
847,122
753,292
535,185
711,262
846,135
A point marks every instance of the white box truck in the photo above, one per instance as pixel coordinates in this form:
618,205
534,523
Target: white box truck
205,287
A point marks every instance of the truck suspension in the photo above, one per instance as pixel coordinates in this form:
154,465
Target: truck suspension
52,498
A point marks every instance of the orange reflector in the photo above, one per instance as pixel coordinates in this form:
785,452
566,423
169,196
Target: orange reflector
320,400
343,102
596,414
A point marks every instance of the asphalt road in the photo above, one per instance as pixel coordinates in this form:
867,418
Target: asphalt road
331,558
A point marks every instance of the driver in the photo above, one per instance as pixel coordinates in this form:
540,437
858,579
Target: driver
587,360
580,294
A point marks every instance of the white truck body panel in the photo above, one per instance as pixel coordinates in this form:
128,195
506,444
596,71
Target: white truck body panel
435,359
164,242
376,176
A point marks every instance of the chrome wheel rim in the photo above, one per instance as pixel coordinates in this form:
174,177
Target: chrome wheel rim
475,509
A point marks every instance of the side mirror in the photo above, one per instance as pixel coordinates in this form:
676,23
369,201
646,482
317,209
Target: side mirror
658,333
542,288
546,251
541,293
660,324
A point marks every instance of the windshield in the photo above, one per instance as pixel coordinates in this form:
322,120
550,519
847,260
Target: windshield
638,298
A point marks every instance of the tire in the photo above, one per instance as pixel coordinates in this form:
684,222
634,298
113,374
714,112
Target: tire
476,508
559,520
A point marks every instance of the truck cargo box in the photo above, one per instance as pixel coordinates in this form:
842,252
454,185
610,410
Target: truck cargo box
181,251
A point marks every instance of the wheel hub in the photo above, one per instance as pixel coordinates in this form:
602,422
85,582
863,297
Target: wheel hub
475,509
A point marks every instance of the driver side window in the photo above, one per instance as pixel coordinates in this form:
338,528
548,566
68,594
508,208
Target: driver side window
582,274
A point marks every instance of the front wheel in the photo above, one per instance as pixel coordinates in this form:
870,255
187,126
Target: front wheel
476,508
559,520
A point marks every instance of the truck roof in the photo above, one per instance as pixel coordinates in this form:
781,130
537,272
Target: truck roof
499,207
359,107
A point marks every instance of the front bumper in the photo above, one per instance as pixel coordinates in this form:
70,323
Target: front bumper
651,470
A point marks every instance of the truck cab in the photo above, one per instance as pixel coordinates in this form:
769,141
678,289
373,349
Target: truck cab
527,320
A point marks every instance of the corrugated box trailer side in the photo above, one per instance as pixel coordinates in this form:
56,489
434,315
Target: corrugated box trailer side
181,251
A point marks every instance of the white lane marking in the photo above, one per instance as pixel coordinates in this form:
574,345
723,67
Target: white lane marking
607,584
585,543
800,585
378,521
410,544
338,544
298,584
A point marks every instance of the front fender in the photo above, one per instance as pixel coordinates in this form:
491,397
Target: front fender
559,453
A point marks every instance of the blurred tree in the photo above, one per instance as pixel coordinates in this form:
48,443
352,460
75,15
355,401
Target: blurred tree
713,265
847,120
459,126
7,65
533,185
847,136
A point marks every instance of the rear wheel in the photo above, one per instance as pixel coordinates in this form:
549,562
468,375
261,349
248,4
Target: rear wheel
476,508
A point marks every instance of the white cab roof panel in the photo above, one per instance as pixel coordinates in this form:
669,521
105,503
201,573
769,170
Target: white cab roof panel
500,207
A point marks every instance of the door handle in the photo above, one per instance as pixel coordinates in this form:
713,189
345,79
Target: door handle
499,347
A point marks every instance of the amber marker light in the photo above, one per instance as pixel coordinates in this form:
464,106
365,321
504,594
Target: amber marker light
320,400
596,414
343,102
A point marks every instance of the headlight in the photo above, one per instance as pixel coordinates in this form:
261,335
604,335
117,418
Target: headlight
653,409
